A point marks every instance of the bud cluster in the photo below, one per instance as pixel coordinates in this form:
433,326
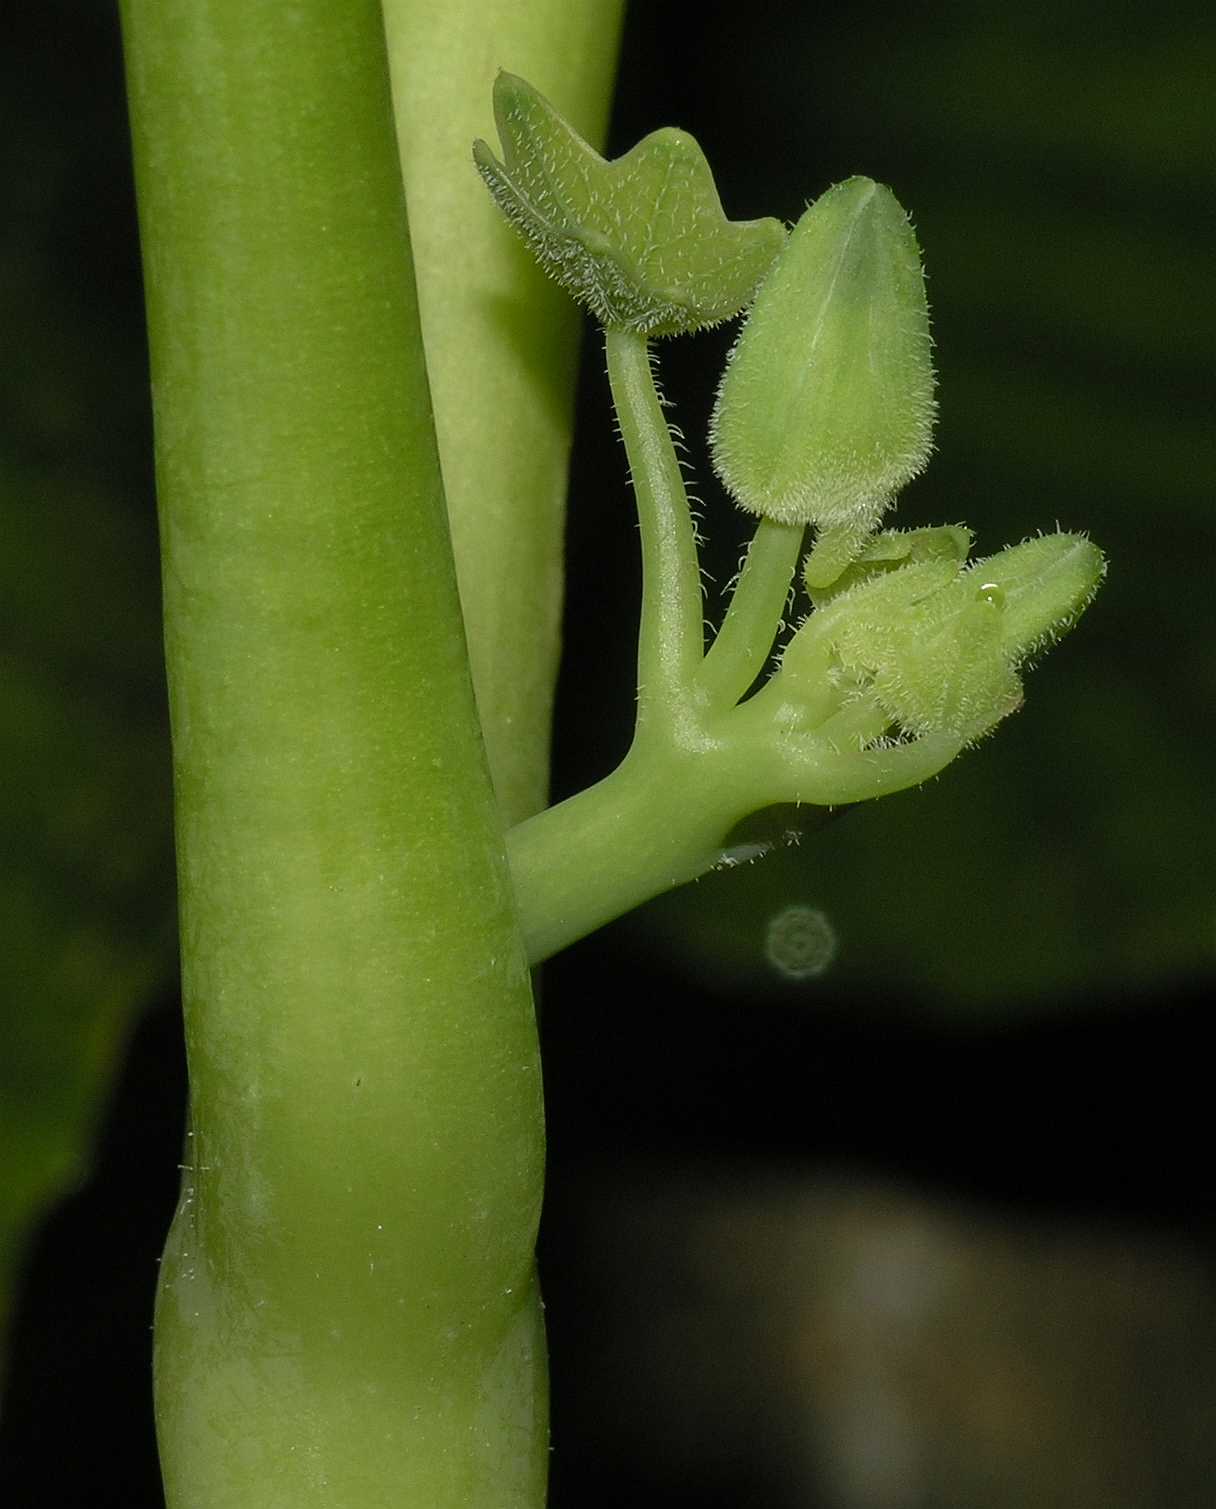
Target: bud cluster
825,411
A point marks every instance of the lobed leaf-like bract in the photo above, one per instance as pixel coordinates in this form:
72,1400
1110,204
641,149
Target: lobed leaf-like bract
642,241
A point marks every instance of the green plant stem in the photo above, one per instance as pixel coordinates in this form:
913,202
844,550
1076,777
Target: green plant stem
670,635
501,342
347,1312
753,619
651,825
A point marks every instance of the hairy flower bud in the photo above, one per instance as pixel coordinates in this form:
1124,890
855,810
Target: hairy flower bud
826,406
938,644
948,663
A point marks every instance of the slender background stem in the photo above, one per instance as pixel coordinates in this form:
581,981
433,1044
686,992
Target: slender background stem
501,341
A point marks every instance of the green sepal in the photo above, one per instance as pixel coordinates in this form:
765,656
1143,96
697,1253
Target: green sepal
642,241
942,666
814,675
1044,585
826,406
891,549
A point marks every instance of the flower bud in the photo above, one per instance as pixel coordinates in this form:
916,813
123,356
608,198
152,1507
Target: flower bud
826,406
940,647
942,666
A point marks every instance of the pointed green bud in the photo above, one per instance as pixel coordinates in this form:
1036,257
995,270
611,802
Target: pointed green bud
1044,585
942,666
940,647
853,630
641,241
826,406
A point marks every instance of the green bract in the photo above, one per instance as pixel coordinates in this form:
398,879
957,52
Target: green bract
891,549
826,407
642,241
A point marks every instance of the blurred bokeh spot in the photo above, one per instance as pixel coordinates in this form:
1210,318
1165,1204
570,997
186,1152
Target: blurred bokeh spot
800,942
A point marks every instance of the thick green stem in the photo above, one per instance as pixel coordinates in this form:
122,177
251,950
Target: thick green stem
347,1313
670,636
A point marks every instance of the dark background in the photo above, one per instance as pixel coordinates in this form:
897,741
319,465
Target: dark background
999,1083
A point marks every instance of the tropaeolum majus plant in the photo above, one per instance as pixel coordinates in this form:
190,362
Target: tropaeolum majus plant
911,652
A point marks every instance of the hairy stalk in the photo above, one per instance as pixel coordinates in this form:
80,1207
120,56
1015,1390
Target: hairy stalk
670,635
664,816
754,616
